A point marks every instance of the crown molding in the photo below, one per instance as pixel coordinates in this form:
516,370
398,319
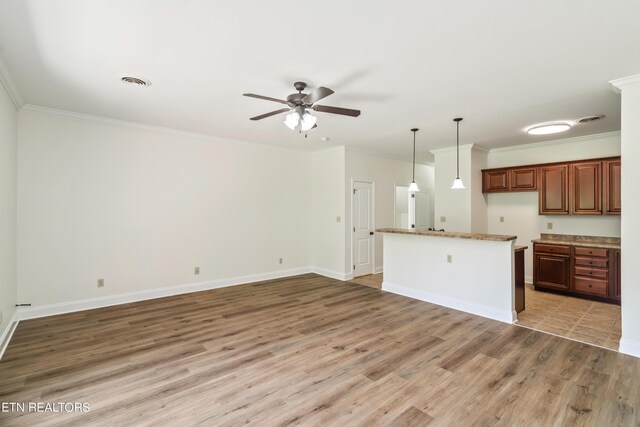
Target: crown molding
556,141
465,147
618,85
158,129
9,86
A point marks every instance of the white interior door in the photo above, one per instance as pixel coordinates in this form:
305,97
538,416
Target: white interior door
363,228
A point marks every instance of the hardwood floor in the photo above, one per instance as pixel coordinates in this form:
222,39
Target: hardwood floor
309,350
593,322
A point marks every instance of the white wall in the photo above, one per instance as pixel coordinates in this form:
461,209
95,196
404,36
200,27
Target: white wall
327,205
386,174
520,210
141,208
8,141
464,210
630,252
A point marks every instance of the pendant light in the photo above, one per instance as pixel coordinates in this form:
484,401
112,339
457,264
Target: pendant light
457,183
413,187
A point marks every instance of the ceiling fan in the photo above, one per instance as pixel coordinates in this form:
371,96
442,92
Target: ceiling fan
299,106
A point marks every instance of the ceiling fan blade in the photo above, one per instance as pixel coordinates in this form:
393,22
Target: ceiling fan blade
273,113
317,94
267,98
336,110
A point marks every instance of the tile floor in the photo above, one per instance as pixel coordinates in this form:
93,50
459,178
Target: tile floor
591,322
371,280
582,320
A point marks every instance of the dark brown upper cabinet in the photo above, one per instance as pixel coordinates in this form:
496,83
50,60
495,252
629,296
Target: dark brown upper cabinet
553,186
495,181
611,187
586,187
523,179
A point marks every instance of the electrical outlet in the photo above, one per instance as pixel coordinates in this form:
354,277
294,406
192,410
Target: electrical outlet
443,219
501,219
280,261
449,259
101,283
338,219
549,226
196,270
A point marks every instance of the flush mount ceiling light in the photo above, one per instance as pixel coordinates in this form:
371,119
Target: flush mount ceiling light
135,81
457,183
413,187
548,128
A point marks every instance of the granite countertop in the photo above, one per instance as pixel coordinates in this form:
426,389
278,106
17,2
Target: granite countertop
450,234
582,241
519,248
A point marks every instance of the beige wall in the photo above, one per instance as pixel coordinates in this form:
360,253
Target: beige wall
141,208
8,275
630,342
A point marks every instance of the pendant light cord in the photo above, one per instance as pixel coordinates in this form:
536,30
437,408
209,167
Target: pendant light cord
458,150
414,157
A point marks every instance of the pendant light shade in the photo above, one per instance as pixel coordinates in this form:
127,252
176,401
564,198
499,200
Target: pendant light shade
413,187
457,183
308,121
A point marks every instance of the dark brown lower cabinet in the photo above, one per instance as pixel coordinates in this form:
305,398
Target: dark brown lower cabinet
551,271
579,271
616,291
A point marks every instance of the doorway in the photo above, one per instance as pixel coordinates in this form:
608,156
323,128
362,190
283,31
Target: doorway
362,220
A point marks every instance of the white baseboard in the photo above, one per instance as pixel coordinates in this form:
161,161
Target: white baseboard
8,332
330,273
377,270
630,347
506,316
528,279
91,303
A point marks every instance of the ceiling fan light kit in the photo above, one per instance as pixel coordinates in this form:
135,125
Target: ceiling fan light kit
300,106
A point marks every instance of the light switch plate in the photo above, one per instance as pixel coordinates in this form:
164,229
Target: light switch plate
443,219
549,226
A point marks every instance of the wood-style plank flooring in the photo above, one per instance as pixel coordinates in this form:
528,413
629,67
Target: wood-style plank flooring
309,350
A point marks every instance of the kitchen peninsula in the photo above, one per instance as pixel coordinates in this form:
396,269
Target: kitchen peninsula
471,272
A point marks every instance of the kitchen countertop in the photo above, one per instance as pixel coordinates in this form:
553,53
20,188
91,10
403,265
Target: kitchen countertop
519,248
450,234
581,241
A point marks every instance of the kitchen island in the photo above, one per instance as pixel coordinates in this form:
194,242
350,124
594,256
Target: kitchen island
471,272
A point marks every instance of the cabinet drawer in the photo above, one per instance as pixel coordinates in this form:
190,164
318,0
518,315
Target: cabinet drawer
595,252
593,262
591,272
591,286
552,249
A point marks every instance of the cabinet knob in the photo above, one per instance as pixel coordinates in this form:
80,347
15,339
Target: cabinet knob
590,262
591,272
590,286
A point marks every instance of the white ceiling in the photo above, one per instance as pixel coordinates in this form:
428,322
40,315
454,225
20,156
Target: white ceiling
503,65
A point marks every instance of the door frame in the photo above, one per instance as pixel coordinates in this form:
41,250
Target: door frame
373,220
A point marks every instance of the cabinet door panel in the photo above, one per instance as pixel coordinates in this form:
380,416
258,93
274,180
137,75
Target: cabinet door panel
554,190
523,179
586,184
552,271
495,181
611,188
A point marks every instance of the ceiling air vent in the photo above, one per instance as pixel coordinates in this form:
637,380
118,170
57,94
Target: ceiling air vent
590,119
136,81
